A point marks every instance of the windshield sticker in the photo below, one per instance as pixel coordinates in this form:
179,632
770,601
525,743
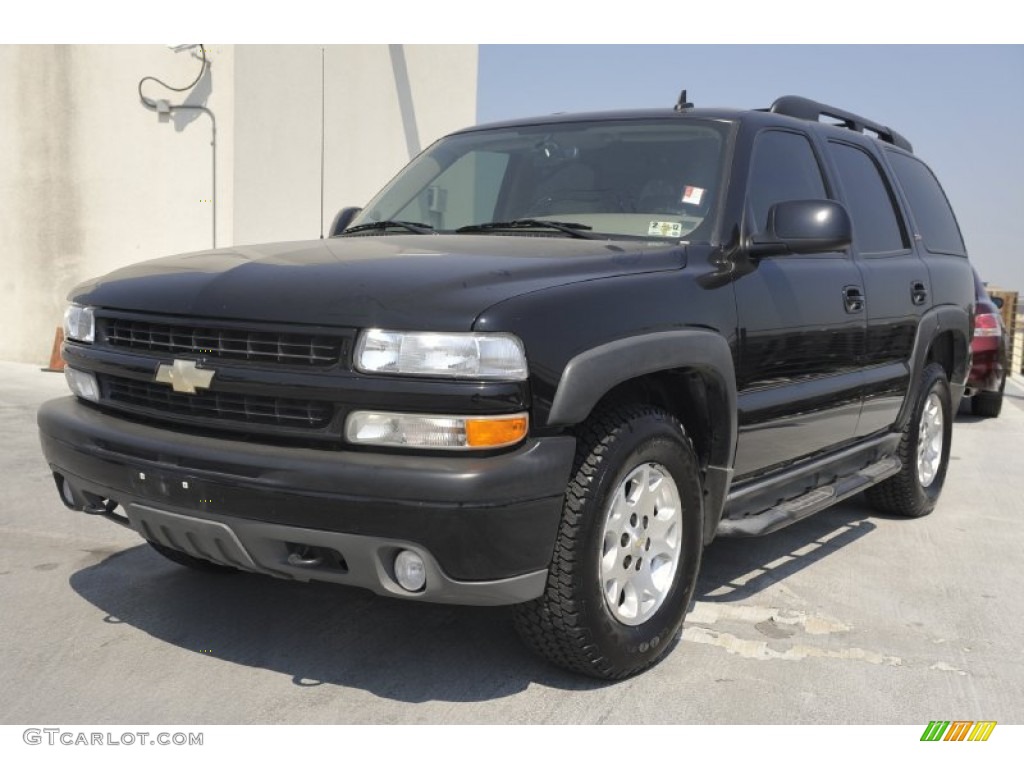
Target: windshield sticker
665,229
693,195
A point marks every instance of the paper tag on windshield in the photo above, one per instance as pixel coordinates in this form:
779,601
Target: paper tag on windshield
665,229
693,195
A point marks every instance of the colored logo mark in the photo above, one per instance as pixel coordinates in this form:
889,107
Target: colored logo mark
958,730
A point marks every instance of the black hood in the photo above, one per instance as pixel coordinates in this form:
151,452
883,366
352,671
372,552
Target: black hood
428,282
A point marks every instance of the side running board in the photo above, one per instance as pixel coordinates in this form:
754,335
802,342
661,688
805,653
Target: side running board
788,512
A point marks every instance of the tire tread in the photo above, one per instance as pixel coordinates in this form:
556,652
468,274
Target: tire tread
551,625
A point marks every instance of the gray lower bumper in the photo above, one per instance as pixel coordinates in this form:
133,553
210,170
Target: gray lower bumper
343,558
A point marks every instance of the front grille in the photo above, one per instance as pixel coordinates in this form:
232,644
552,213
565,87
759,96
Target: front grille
161,400
225,343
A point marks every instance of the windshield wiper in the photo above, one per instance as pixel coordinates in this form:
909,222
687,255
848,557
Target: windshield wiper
570,228
409,226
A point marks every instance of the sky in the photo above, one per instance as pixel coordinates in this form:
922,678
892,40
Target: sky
961,107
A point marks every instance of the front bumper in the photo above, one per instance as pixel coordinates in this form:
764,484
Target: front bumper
485,526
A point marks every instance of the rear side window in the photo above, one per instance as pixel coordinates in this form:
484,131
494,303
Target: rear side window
876,225
784,168
931,209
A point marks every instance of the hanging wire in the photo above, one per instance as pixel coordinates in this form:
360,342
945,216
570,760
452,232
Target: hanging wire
151,103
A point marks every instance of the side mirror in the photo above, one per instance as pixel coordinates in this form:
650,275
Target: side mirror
997,300
342,220
803,226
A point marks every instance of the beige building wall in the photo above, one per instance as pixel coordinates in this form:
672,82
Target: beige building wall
381,105
90,180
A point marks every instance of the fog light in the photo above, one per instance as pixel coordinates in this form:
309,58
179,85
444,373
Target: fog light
82,384
66,494
410,571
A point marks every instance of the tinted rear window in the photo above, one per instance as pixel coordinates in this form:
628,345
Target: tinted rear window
928,203
876,227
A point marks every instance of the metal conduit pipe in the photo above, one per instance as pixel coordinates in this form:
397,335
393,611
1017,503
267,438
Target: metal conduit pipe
162,106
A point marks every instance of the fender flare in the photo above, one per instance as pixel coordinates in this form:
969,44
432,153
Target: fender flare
934,322
590,375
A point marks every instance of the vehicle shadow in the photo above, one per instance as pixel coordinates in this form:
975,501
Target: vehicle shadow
735,569
323,634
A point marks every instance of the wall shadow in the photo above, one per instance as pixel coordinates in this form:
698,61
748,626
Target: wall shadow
197,97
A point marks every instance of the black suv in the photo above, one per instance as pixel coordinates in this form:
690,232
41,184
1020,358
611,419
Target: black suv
545,366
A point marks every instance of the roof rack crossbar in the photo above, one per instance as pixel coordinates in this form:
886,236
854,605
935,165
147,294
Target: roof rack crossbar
808,109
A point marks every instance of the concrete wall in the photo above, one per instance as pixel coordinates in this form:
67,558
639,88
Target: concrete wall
382,105
90,180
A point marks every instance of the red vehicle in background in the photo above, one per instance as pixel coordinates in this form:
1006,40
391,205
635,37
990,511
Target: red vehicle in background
989,349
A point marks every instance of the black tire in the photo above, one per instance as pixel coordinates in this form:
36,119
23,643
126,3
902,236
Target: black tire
572,624
988,404
906,493
195,563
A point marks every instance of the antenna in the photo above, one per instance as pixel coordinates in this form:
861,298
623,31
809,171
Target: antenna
682,103
323,122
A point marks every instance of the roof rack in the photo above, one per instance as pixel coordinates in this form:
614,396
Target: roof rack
808,109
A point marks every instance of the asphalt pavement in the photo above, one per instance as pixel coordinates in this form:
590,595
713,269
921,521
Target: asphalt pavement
849,617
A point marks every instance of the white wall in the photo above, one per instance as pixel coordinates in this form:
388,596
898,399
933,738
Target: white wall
90,180
278,127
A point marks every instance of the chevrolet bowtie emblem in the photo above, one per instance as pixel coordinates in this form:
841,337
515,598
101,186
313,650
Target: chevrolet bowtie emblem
184,376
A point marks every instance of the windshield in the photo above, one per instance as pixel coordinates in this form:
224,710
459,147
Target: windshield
625,178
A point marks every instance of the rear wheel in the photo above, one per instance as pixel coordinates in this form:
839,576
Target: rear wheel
923,451
628,549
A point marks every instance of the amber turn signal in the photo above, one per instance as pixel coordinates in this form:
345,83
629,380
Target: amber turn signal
495,432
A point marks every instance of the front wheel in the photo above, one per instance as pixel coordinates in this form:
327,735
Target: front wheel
628,548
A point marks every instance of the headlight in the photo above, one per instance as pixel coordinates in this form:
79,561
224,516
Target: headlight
456,355
79,324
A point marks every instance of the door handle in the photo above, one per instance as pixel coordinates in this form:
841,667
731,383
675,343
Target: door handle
853,298
918,293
